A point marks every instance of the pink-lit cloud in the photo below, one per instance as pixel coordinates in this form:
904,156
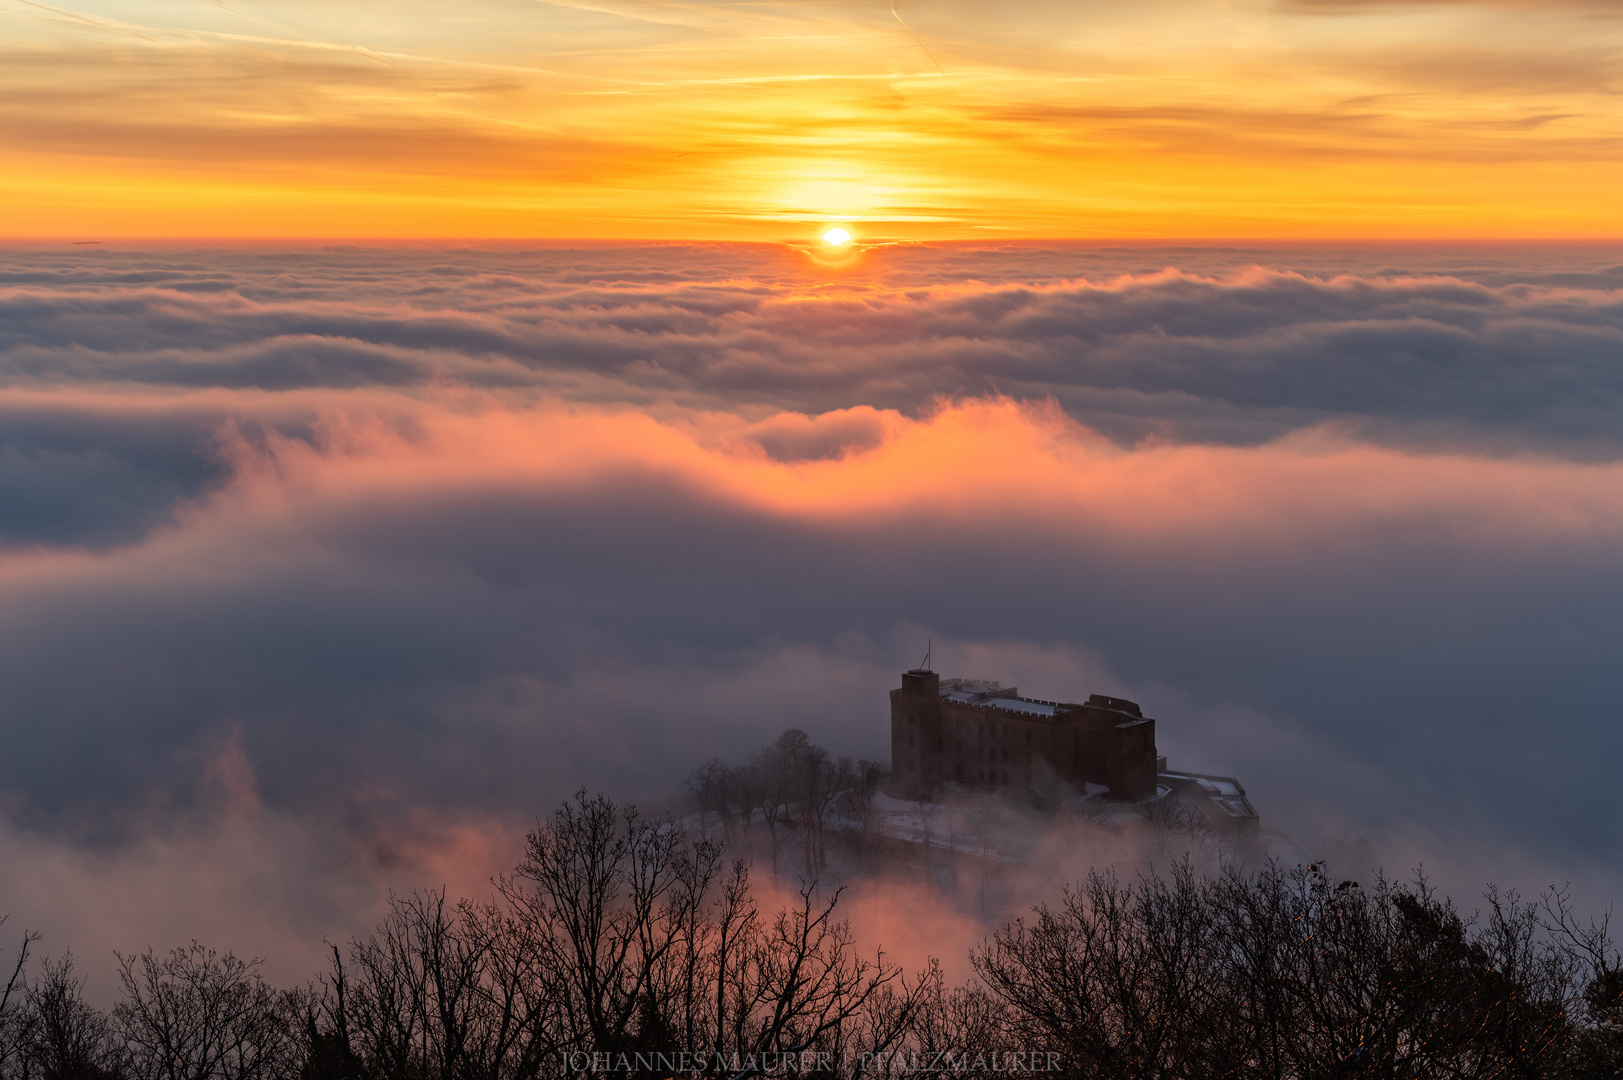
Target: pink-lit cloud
280,643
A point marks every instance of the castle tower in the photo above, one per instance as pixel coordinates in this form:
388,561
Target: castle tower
916,735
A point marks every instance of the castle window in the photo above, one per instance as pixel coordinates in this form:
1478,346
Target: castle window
980,727
1005,731
1028,757
910,742
912,721
1005,753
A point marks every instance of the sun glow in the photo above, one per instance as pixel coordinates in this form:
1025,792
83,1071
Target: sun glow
836,237
964,122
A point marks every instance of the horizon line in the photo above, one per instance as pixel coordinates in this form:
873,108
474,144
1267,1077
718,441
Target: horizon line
876,242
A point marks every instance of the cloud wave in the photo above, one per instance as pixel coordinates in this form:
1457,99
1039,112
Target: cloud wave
1354,537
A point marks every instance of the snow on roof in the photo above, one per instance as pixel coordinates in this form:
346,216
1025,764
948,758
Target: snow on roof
1040,708
1012,704
1222,791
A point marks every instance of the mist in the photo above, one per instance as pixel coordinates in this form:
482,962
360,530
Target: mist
326,572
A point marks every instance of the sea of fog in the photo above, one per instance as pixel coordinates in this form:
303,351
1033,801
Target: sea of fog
326,570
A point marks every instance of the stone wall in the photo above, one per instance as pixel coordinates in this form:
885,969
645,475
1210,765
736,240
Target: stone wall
934,741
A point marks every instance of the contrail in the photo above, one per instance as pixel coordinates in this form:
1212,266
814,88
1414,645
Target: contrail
91,20
251,17
893,6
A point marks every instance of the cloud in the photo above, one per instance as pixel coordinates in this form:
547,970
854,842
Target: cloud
1350,536
393,564
623,120
1593,8
1233,355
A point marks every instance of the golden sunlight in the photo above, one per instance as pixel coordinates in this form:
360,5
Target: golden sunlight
600,119
836,237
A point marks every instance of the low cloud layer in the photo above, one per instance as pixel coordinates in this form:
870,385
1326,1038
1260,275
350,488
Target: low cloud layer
356,562
1501,350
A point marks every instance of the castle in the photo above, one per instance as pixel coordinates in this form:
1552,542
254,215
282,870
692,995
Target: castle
985,736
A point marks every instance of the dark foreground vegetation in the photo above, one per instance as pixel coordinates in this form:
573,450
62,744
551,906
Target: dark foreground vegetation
620,944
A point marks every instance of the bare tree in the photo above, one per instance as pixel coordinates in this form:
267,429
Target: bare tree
439,989
642,942
617,936
1278,974
328,1052
67,1039
860,805
951,812
609,902
803,778
981,829
13,1018
1178,827
959,1032
813,990
926,809
195,1014
626,947
1597,1048
799,788
1123,977
772,768
711,785
819,781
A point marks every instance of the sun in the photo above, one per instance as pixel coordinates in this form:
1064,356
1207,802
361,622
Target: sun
836,237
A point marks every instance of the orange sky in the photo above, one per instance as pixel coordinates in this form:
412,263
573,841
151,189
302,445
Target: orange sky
929,119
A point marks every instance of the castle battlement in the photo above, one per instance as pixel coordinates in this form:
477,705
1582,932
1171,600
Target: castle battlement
985,735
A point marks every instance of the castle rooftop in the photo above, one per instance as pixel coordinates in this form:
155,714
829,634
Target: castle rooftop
998,701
